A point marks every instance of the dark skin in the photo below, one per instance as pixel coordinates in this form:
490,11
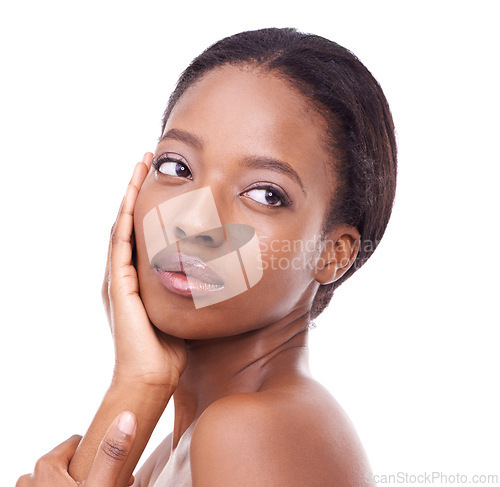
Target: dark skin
247,411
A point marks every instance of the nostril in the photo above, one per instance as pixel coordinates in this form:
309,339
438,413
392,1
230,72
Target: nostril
206,240
209,238
180,233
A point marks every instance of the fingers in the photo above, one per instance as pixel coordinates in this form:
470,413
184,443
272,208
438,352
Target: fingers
121,250
63,452
123,282
113,451
52,468
121,233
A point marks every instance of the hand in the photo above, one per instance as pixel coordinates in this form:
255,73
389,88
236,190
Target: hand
143,353
52,469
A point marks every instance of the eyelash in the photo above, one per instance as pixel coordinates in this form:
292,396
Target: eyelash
157,162
285,200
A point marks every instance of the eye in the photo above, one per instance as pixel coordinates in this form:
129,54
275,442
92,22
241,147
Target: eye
268,195
173,166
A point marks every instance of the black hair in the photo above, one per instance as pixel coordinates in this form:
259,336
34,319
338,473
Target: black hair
361,134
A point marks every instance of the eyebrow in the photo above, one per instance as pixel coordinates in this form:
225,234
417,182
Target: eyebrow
261,162
183,136
257,162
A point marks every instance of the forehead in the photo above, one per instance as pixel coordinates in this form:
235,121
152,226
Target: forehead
249,104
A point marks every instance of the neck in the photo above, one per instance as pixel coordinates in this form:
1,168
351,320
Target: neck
243,363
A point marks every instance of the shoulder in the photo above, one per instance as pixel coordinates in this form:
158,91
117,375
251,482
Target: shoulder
283,437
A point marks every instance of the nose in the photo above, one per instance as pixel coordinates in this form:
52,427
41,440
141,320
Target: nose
194,218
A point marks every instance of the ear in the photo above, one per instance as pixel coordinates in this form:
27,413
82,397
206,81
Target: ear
340,250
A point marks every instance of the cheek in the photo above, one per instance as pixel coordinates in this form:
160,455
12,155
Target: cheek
289,268
296,256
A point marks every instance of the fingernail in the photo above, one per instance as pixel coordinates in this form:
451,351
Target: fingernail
126,423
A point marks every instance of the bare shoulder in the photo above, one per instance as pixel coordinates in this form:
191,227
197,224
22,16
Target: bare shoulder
294,435
152,467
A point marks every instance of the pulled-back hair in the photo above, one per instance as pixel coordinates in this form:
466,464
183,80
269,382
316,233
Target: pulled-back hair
360,134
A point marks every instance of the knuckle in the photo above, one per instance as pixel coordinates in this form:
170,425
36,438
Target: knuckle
39,467
24,481
43,467
120,284
118,239
106,301
105,290
115,239
114,450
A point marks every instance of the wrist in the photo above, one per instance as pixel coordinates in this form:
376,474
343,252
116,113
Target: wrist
147,380
150,391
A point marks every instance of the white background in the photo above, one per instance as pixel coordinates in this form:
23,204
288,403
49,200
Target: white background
409,345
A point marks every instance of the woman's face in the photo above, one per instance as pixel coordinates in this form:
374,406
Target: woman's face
242,150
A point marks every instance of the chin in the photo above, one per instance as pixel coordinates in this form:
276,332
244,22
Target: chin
185,321
177,315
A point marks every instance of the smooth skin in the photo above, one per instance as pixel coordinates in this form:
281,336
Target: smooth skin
247,411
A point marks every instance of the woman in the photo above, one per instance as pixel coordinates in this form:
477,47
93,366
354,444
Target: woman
272,182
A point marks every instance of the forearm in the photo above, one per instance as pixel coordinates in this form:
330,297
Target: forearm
146,402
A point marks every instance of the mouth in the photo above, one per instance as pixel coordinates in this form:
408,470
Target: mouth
186,275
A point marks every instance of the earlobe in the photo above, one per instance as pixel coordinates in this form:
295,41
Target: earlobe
338,255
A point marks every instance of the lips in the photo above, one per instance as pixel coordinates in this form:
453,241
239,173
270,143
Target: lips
185,274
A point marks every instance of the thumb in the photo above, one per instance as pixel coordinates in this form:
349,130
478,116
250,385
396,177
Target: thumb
113,451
